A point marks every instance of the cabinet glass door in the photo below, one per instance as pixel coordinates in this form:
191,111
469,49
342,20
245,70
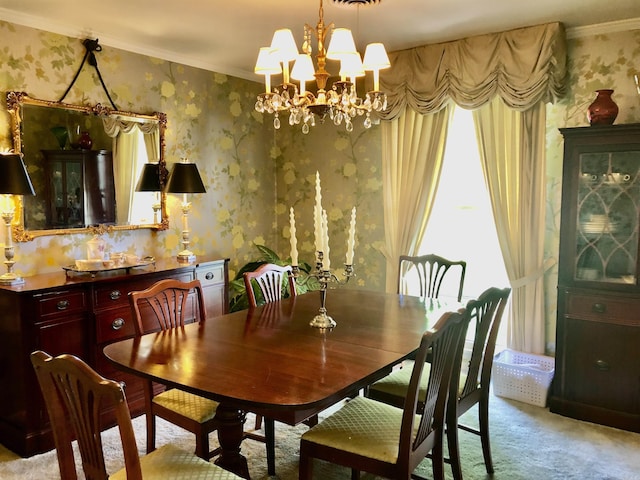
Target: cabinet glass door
607,217
66,198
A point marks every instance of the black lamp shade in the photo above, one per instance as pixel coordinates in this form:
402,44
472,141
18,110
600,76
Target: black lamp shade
149,180
184,178
14,178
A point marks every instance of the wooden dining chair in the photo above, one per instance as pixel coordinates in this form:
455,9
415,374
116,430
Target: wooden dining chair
269,279
473,386
431,270
371,436
470,385
163,306
74,395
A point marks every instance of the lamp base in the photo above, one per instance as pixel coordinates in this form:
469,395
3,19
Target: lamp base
186,256
11,279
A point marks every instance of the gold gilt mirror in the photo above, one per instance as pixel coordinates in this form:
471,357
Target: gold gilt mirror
85,163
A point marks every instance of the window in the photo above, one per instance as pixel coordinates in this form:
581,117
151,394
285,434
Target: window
461,225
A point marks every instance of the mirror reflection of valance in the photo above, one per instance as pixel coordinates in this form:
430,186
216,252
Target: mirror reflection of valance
113,126
523,66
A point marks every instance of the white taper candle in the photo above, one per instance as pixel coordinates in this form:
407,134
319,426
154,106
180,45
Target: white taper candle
317,215
351,239
326,263
293,240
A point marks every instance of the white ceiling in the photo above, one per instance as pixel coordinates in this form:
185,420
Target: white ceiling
225,36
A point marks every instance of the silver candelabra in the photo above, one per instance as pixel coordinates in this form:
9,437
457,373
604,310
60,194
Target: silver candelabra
322,320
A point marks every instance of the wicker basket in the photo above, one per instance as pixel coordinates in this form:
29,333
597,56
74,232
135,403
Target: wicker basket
522,376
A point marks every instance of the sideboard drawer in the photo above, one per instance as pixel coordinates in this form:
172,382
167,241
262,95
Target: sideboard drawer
210,275
60,303
114,324
115,295
607,308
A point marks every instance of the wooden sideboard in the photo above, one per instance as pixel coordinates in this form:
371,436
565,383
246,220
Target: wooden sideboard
79,314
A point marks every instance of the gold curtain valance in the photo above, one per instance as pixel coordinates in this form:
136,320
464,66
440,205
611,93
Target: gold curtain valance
523,66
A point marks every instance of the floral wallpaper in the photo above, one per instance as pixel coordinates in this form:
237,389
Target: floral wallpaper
255,174
594,62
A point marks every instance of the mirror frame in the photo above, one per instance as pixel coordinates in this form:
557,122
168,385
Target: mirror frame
15,100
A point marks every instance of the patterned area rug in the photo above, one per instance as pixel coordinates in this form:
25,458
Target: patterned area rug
528,443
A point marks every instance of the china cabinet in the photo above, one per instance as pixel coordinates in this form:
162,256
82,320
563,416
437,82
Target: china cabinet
79,314
598,325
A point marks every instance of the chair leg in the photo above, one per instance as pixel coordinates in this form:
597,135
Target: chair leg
270,441
202,445
151,432
258,422
355,474
483,417
437,461
151,418
305,466
453,443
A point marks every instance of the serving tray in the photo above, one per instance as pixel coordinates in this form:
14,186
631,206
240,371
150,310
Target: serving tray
73,270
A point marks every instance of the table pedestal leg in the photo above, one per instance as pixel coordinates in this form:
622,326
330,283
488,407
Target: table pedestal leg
230,434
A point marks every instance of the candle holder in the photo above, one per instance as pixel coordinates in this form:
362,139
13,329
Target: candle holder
324,277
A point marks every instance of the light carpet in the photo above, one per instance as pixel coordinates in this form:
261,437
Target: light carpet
528,443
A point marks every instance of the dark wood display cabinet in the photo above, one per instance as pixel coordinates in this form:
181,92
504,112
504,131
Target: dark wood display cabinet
81,190
79,314
597,375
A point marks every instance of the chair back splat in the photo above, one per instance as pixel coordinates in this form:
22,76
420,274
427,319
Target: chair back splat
431,270
270,279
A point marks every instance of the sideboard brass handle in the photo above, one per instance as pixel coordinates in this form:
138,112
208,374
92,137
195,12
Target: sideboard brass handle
62,305
599,308
602,365
115,295
209,275
117,324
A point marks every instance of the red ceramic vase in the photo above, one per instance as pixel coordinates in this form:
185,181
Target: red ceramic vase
85,141
603,110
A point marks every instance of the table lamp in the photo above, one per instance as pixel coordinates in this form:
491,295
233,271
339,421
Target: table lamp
149,181
14,180
185,178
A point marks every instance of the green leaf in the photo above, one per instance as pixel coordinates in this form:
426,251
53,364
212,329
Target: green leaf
269,255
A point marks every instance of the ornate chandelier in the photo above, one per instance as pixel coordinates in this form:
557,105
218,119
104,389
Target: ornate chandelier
341,102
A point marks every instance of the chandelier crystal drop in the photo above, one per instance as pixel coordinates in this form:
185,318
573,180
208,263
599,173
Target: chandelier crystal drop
340,103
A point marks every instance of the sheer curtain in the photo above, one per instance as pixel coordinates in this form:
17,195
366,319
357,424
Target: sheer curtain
525,68
512,147
413,148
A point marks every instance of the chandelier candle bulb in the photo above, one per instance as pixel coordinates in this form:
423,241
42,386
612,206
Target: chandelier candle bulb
351,240
294,240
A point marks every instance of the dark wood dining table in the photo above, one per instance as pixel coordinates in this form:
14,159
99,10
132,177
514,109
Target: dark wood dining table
268,360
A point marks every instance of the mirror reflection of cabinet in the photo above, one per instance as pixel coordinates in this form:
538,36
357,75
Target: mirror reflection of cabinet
81,190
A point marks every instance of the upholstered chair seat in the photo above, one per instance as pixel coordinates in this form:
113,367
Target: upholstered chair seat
172,462
364,427
198,409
